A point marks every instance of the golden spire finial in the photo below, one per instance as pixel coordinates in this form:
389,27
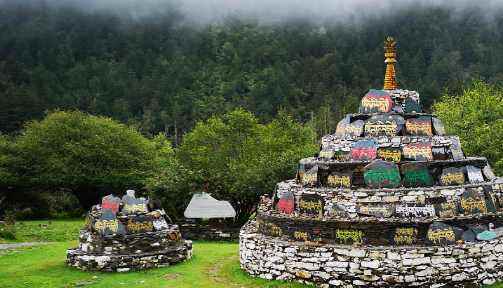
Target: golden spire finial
390,82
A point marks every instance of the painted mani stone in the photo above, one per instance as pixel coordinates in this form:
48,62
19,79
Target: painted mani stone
472,202
441,234
132,204
440,153
160,224
311,205
390,154
380,211
355,129
447,209
474,174
339,180
418,151
364,150
108,224
140,224
381,174
416,175
452,176
411,105
415,211
286,201
420,126
111,203
383,125
405,236
342,154
349,236
310,177
376,101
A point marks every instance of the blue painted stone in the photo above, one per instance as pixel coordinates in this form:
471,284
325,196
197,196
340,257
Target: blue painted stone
486,236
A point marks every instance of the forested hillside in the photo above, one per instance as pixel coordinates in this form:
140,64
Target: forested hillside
163,75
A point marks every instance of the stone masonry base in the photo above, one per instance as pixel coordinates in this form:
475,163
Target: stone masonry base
332,265
129,262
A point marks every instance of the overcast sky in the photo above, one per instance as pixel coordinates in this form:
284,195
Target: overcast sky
204,11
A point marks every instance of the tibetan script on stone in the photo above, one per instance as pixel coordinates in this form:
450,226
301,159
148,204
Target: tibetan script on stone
390,154
349,236
380,211
472,202
376,101
447,209
355,129
382,125
311,205
381,174
139,225
420,126
452,176
441,234
310,178
132,204
405,236
339,180
364,150
415,211
416,175
418,151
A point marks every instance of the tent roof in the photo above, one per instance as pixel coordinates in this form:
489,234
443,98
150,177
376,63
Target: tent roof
202,205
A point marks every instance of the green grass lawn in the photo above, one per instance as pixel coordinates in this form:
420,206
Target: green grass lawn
214,264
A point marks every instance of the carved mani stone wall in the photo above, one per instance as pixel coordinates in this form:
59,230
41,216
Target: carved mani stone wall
333,265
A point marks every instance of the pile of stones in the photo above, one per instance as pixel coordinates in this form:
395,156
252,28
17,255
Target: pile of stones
128,234
390,200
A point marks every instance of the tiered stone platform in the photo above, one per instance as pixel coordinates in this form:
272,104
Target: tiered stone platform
125,235
390,200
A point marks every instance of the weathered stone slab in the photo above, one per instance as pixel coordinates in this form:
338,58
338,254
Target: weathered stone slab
349,236
111,203
438,126
415,211
405,236
132,204
380,211
418,151
440,153
474,174
411,105
447,209
455,148
310,178
355,129
472,202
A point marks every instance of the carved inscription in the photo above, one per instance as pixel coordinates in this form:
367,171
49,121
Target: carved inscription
380,174
452,176
405,236
311,205
364,150
419,126
349,236
376,101
441,236
415,211
139,226
107,226
390,154
418,151
301,236
339,180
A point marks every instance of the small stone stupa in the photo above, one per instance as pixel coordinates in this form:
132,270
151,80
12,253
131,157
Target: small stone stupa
128,234
389,201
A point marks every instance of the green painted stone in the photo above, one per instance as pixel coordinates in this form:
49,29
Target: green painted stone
381,174
416,175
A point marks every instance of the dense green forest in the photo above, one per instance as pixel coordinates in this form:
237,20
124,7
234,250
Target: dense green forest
160,74
93,103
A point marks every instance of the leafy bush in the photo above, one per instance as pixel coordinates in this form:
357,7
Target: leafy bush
477,117
238,159
90,155
8,228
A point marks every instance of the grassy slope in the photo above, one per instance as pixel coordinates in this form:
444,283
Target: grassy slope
213,265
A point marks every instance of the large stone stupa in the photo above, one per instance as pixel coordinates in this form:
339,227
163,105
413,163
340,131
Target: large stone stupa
389,201
128,234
